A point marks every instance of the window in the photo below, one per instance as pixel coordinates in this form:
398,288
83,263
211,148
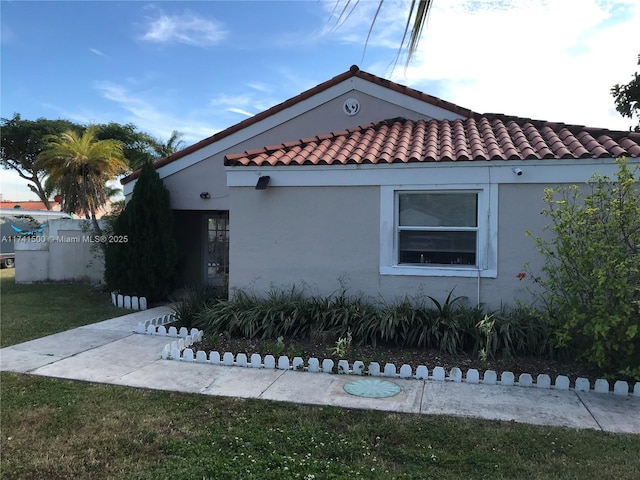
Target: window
437,228
217,247
431,232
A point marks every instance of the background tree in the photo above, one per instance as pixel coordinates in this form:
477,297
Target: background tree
79,167
22,141
138,147
172,145
145,264
627,98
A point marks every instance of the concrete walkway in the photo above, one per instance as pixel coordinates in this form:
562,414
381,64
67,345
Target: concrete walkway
110,352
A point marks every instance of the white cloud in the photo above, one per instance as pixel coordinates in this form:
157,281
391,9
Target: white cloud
548,60
224,100
81,117
13,187
246,104
240,111
187,28
235,103
97,52
150,115
261,87
353,23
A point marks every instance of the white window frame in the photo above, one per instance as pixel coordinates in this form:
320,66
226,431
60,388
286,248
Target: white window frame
487,236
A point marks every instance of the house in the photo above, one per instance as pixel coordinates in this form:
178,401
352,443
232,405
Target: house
55,206
28,205
365,183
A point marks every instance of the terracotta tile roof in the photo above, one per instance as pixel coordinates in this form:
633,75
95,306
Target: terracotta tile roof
481,137
28,205
354,71
34,205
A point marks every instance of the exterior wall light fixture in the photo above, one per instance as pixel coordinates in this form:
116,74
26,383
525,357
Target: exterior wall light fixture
263,182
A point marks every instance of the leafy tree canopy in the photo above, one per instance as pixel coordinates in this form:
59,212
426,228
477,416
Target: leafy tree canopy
627,98
138,147
22,141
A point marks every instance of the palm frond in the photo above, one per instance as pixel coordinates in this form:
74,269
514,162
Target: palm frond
78,166
416,20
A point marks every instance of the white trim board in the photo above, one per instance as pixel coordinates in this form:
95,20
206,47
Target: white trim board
434,174
487,247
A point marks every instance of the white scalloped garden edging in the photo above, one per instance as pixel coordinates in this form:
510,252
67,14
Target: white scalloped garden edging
128,302
150,327
180,351
185,337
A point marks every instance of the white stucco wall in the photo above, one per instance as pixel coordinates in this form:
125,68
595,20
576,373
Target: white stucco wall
320,235
311,235
324,238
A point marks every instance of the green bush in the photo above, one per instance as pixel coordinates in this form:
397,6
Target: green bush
591,276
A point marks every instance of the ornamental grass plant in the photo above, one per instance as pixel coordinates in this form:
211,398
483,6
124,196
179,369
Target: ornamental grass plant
451,326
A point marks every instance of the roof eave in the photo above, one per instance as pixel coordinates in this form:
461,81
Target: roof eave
354,71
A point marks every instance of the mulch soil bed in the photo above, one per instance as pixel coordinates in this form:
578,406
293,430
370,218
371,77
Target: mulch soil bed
322,347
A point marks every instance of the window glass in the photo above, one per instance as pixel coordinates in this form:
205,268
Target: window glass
438,209
217,247
437,228
438,247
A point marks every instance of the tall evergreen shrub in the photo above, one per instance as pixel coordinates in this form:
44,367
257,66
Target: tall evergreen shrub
144,262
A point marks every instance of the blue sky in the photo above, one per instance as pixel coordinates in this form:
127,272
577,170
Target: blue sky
199,67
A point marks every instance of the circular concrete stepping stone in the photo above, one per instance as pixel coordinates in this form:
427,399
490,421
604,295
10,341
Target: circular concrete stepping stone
372,388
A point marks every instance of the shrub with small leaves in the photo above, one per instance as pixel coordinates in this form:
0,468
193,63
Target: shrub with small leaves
591,277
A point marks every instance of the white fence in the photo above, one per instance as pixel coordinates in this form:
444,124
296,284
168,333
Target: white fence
65,252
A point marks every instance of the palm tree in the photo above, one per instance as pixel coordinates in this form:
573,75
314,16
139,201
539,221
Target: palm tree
79,168
171,146
416,20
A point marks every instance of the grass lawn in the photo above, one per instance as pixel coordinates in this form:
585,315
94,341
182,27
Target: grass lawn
58,429
33,311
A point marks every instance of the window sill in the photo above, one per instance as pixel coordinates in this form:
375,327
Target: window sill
420,271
